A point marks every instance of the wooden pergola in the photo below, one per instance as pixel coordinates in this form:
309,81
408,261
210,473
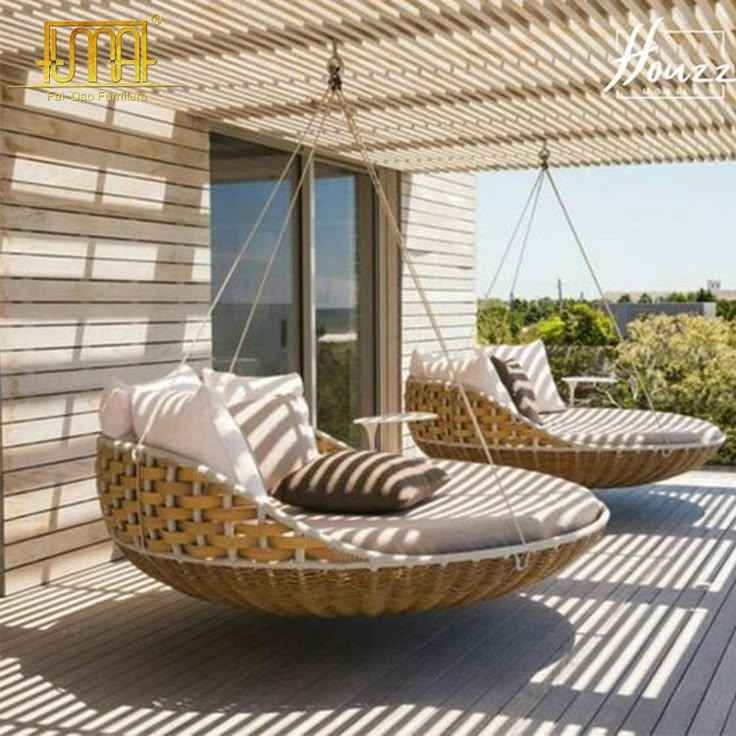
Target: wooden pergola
438,84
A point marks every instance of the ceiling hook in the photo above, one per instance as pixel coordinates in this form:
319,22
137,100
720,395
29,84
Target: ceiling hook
334,68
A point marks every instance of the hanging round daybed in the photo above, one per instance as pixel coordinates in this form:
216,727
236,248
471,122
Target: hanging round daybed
209,536
597,448
204,536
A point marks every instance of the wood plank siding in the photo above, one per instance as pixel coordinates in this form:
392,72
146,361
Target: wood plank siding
104,269
438,220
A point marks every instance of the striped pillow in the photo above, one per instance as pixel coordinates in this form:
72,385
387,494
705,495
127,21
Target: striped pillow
360,482
520,388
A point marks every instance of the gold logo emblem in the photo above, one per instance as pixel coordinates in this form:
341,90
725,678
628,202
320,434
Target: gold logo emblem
124,47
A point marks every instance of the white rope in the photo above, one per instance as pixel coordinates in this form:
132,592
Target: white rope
253,230
524,243
534,194
512,239
602,294
279,238
393,224
234,265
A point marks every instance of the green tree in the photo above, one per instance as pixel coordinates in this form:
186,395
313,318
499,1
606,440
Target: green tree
677,296
704,295
624,299
577,324
495,323
645,299
726,309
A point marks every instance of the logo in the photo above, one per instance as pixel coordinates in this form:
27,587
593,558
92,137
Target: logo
117,56
663,66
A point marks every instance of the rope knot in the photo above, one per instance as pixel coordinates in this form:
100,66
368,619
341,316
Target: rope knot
544,157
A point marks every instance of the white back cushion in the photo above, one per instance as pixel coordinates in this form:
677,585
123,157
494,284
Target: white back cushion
416,364
473,369
116,417
533,359
196,424
234,388
278,431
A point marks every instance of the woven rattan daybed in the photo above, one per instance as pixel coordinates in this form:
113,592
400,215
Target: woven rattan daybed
597,448
209,538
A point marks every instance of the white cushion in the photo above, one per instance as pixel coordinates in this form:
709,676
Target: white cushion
631,428
278,431
416,364
234,388
116,418
468,513
533,359
197,425
474,370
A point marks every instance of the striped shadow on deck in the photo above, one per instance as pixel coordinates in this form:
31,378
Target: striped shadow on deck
636,637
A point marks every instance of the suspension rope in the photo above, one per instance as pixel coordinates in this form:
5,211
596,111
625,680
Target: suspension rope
279,238
525,241
545,173
253,230
512,239
409,263
601,293
238,259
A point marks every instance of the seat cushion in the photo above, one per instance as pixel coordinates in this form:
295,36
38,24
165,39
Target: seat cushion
520,388
533,359
631,428
468,513
278,432
361,482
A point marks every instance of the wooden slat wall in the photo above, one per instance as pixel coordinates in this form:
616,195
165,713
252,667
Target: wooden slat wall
104,271
438,219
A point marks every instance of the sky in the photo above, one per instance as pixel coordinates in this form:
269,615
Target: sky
665,227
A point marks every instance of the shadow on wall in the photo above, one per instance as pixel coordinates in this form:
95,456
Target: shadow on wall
105,271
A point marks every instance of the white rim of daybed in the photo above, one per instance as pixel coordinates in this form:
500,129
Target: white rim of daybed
370,559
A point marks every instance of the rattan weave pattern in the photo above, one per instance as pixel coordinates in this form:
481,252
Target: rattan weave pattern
345,591
206,540
514,442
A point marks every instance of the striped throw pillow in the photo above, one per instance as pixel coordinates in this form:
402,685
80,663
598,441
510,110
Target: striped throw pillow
360,482
520,388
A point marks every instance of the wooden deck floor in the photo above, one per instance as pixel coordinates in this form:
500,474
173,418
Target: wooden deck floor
637,637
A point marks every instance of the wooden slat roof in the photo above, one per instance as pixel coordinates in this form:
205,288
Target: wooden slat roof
438,84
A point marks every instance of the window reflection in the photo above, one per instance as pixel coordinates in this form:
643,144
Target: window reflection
243,175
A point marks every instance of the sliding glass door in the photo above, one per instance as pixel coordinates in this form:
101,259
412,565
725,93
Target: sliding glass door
344,263
316,309
242,178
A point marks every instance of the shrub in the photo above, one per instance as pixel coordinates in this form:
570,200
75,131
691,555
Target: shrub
686,363
337,397
577,324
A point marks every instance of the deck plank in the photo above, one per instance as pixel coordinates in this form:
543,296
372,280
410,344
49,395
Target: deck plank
636,637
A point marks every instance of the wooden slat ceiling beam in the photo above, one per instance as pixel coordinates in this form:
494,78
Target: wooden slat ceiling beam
437,84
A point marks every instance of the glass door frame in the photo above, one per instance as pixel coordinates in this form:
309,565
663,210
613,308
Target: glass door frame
367,253
385,295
